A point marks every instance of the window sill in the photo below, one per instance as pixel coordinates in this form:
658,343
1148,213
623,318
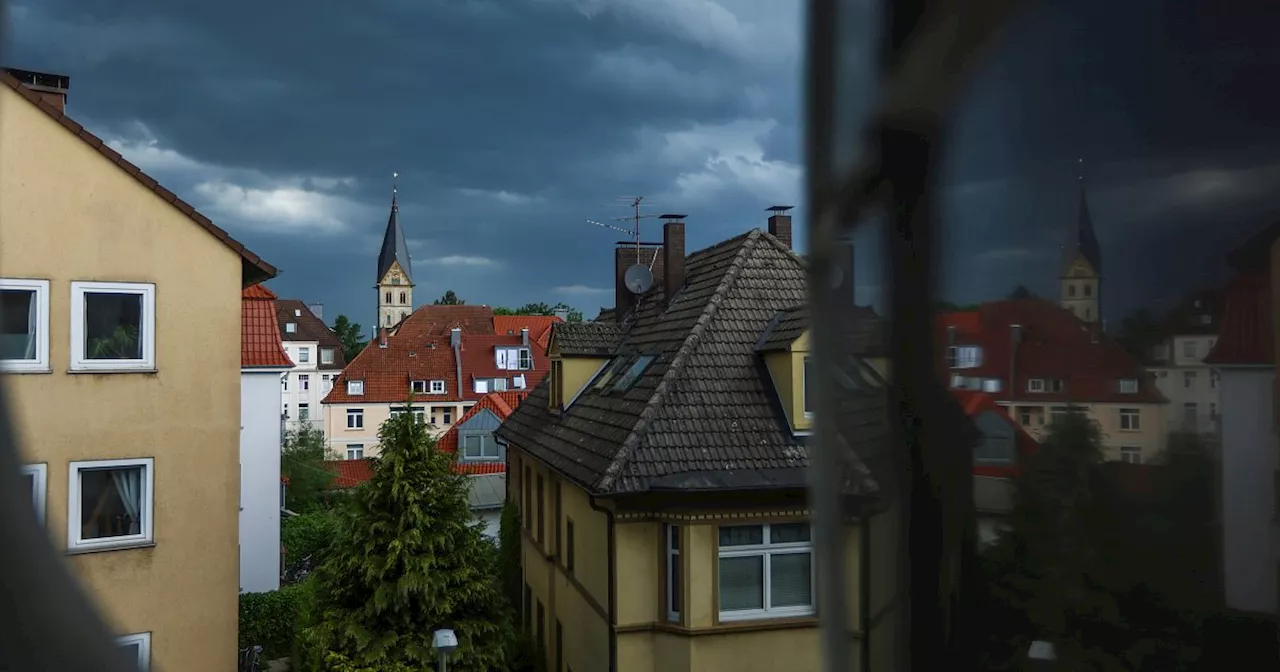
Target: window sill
755,618
26,370
112,370
732,626
102,548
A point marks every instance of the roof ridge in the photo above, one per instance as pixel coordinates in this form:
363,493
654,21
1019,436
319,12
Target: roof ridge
686,350
795,256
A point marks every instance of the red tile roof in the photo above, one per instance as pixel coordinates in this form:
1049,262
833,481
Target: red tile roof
259,334
975,404
350,473
254,268
1247,336
539,326
419,349
1055,345
500,403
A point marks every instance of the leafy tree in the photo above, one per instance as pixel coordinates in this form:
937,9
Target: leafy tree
449,299
509,552
302,462
306,540
349,333
407,560
1139,333
575,315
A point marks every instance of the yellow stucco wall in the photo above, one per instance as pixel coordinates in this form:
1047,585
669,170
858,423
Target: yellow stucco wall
577,372
67,213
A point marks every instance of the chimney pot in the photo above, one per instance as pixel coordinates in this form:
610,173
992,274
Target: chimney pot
524,335
672,255
455,337
780,224
317,309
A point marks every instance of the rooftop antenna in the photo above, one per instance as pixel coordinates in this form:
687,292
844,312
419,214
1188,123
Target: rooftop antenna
635,202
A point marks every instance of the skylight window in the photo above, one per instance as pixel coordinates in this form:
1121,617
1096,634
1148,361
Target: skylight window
628,379
609,373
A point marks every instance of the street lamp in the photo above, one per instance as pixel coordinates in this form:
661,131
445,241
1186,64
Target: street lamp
445,642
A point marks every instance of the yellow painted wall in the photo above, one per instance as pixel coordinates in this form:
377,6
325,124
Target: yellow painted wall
67,213
339,436
577,372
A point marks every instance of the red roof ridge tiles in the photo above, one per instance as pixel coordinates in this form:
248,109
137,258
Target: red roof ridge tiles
259,269
500,404
259,334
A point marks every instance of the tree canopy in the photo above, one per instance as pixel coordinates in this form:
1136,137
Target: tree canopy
541,308
449,299
408,559
349,333
302,463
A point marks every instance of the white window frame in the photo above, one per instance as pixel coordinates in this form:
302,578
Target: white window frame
355,388
304,411
355,448
524,359
673,562
1128,386
290,327
40,488
304,355
437,387
768,550
967,357
1035,385
1189,378
147,325
145,537
143,640
1131,454
480,457
356,414
304,381
41,363
326,355
1130,419
418,386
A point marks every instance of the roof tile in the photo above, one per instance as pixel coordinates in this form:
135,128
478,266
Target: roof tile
259,334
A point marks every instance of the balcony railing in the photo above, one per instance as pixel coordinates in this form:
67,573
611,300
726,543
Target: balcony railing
1197,426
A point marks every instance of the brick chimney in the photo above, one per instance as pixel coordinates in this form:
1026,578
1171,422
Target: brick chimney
672,254
317,309
624,257
52,88
780,224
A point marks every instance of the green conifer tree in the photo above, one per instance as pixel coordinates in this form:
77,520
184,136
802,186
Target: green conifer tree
409,559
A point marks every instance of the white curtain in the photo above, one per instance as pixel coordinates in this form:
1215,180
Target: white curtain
501,359
32,326
128,484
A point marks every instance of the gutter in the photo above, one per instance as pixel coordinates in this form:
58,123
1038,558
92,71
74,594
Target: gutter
613,577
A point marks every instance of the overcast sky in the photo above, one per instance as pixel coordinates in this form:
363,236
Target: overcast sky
512,121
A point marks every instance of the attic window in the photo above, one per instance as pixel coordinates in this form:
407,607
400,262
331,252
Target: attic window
437,387
290,327
608,374
1035,385
355,387
419,386
1128,385
628,379
297,312
964,357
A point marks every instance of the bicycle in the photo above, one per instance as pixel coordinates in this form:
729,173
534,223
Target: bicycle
249,659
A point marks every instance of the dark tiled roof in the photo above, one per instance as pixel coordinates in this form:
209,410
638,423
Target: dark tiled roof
866,330
1082,241
1055,345
394,247
1247,335
259,335
310,328
607,315
704,414
587,338
253,268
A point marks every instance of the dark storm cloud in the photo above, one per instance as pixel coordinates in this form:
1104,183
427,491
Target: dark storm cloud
512,121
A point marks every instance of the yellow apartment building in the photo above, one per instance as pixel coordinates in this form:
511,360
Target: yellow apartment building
660,475
121,348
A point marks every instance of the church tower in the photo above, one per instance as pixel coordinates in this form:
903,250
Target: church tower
1081,274
395,272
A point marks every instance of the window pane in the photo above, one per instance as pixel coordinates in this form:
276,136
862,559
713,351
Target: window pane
809,384
790,580
471,446
741,535
673,571
17,324
788,533
112,325
110,502
742,583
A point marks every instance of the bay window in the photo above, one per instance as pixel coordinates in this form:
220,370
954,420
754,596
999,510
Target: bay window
765,571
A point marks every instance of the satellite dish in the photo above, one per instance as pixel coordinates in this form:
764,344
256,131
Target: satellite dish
638,279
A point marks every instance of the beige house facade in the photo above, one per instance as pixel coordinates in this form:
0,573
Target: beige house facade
121,351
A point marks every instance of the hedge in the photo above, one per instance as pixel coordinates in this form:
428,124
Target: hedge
272,620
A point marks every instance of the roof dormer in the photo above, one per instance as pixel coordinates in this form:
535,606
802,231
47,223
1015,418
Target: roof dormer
579,353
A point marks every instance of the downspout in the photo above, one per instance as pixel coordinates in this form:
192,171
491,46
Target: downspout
612,577
455,341
864,590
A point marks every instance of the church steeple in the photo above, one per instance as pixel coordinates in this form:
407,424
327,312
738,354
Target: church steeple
1081,272
395,269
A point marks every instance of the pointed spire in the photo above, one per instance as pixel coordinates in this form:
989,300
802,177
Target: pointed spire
394,247
1082,241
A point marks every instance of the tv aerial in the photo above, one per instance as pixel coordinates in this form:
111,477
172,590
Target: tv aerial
639,277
